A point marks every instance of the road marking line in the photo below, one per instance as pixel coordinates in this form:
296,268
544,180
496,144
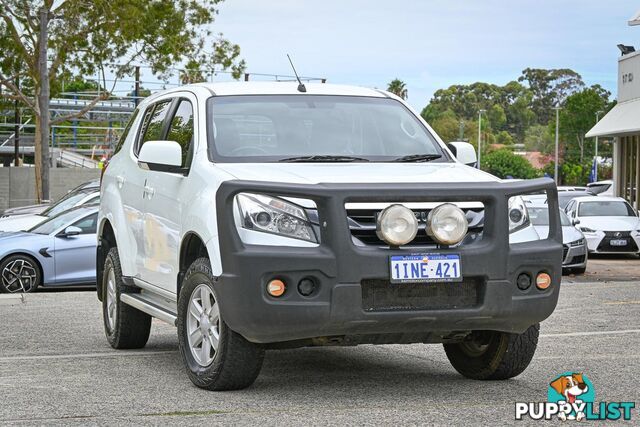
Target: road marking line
86,355
621,302
583,334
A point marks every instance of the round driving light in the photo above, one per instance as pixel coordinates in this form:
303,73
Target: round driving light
276,288
396,225
543,281
447,224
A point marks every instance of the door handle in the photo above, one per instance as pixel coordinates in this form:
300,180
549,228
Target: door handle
149,191
120,179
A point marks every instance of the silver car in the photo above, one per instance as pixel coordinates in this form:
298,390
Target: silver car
60,251
574,254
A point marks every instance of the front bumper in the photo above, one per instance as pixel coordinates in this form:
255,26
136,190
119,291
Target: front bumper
597,243
341,269
575,256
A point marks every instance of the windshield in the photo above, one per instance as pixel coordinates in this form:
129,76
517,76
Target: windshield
540,216
565,197
55,223
270,128
605,208
68,201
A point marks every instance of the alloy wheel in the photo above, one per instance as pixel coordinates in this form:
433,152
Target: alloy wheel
203,325
112,307
19,275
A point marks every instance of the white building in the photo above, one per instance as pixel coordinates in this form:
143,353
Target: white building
623,123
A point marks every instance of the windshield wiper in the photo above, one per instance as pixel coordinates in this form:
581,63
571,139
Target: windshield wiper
319,158
418,158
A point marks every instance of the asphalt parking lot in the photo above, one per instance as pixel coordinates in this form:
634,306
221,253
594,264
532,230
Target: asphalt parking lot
57,368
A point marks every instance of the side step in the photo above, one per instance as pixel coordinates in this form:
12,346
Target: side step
143,304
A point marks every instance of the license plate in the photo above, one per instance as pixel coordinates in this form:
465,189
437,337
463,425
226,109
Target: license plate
425,268
620,242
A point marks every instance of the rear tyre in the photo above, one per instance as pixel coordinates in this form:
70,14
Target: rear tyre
125,327
216,357
492,355
19,274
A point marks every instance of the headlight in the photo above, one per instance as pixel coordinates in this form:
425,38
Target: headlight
578,242
273,215
396,225
587,230
518,214
447,224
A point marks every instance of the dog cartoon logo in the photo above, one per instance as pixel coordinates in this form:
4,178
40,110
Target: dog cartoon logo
573,389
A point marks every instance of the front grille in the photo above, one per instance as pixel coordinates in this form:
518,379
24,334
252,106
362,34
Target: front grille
576,260
605,245
565,249
382,295
362,224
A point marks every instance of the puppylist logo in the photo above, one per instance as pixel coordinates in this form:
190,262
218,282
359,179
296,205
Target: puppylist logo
571,396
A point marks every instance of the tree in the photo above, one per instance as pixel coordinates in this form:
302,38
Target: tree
550,88
579,115
503,163
42,41
397,87
539,138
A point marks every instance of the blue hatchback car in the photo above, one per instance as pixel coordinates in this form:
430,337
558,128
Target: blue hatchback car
60,251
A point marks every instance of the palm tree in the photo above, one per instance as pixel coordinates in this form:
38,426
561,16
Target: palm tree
397,87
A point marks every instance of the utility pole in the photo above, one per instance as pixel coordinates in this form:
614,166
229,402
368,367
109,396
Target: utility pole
16,128
597,120
555,173
43,105
480,136
136,90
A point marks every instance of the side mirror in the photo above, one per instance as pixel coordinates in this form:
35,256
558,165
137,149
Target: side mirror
464,152
575,221
71,231
161,156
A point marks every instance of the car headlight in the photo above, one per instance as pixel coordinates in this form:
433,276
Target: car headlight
578,242
268,214
396,225
447,224
587,230
518,214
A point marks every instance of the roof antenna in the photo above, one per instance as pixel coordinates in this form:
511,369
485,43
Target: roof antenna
301,86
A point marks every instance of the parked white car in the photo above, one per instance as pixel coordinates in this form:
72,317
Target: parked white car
78,197
601,188
609,224
258,216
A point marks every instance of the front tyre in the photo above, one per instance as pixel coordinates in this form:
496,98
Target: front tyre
19,273
125,327
216,357
492,355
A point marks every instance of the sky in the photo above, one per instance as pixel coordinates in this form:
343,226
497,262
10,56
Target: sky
430,44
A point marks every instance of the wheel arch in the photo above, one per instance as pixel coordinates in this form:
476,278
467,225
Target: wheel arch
192,247
106,241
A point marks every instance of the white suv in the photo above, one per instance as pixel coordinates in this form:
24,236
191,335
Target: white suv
259,216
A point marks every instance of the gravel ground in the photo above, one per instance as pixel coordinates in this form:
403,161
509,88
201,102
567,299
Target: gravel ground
57,368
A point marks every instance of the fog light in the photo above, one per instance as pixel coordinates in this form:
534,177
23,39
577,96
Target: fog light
306,286
276,288
543,281
524,281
